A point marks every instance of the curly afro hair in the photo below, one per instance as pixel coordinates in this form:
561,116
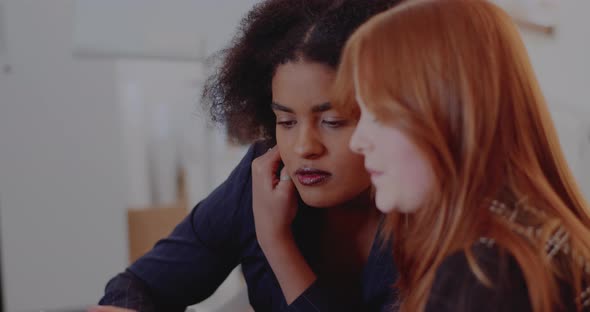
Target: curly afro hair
274,32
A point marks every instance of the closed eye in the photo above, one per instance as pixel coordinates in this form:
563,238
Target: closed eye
335,123
287,123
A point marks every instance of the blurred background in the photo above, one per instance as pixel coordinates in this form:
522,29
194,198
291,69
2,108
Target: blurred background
104,145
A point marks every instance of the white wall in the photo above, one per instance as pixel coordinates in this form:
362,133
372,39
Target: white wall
562,61
179,29
61,168
562,64
159,101
162,116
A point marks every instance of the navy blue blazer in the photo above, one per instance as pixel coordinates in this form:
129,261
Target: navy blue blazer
188,266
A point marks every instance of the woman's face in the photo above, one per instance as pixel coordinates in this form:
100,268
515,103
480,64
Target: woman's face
313,138
401,175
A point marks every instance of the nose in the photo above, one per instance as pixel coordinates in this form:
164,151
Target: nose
358,141
309,143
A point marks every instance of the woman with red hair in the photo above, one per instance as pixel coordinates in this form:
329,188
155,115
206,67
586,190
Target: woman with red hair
484,212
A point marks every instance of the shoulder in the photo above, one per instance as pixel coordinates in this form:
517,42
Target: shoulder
239,180
457,287
488,257
229,205
254,151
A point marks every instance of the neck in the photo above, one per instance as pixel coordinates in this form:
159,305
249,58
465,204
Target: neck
361,204
348,233
357,213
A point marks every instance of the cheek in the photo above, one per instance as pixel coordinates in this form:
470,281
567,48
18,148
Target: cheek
404,162
424,176
412,175
284,146
354,165
347,162
340,146
415,173
354,169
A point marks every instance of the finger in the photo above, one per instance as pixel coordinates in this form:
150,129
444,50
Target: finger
285,183
270,163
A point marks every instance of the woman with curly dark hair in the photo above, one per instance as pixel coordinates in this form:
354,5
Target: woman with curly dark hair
305,235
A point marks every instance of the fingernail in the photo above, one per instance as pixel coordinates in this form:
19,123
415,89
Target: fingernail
285,178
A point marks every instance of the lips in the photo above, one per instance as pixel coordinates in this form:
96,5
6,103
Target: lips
312,176
374,173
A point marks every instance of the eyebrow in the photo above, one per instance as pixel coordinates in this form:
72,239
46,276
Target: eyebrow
315,109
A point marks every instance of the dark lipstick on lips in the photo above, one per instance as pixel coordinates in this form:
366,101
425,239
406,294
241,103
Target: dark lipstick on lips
311,176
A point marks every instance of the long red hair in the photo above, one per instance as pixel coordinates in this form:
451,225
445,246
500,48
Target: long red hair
454,75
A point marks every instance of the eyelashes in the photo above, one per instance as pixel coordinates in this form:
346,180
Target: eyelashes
334,124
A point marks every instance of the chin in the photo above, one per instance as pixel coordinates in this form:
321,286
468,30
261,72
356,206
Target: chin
319,201
324,197
386,208
386,205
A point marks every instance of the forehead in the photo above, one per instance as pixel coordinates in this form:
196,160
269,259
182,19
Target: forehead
302,83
